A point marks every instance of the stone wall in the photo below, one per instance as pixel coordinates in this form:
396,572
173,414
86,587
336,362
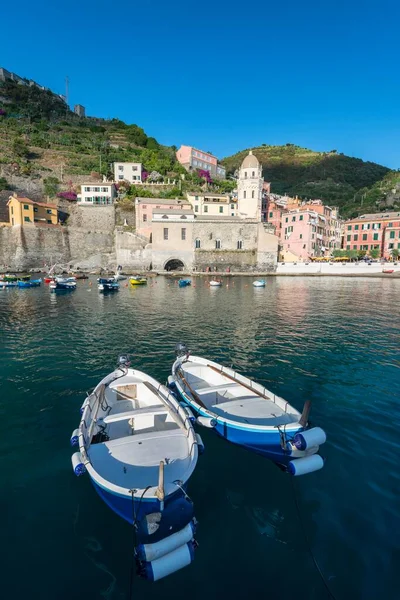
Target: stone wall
236,260
25,247
35,246
92,218
122,214
131,252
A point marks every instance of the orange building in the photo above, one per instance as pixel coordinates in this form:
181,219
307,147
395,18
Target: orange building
378,231
23,211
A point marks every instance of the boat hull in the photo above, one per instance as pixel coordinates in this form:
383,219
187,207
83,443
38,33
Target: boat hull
178,511
266,444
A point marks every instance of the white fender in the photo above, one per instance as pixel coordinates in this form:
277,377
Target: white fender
155,551
77,464
74,440
206,422
169,563
309,438
200,444
309,464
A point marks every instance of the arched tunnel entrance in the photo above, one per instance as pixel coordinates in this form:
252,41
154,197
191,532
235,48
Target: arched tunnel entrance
174,265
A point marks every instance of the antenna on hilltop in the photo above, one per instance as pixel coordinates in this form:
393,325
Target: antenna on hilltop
66,89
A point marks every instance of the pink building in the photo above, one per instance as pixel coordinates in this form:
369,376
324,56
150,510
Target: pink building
379,231
144,208
299,235
193,159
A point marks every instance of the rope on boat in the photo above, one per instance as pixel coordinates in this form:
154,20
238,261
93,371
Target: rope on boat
134,521
296,501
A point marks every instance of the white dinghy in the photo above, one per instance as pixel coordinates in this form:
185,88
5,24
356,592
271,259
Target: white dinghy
139,448
246,413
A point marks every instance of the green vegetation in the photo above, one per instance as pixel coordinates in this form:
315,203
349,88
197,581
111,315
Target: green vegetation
51,186
4,185
351,184
38,134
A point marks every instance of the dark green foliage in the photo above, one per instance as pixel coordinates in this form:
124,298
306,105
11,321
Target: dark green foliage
20,148
349,183
4,184
32,102
152,144
51,186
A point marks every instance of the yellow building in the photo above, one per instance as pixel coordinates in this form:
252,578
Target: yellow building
23,211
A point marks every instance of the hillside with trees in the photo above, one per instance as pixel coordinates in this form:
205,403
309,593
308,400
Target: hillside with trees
350,183
41,138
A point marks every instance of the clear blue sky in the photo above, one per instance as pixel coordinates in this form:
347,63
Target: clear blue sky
223,76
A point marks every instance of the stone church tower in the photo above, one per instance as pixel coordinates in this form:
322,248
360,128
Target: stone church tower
250,186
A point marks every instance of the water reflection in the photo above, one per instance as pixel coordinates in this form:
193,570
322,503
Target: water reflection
334,341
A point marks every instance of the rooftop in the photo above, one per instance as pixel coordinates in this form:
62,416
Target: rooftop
98,183
29,201
251,161
172,211
160,201
383,216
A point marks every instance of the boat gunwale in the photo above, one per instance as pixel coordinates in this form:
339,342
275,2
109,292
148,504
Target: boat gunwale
205,412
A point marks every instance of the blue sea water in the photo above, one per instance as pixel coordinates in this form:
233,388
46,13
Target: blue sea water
334,341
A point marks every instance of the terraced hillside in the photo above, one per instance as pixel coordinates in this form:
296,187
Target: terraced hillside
350,183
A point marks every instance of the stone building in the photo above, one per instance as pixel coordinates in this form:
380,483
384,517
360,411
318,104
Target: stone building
182,240
233,238
79,110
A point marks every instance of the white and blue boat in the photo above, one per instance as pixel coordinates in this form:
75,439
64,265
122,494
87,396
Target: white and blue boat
63,284
184,282
246,413
107,284
139,448
29,283
260,283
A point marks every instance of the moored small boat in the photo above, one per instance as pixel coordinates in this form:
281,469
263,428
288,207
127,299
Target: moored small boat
137,280
107,284
246,413
215,283
387,270
259,283
30,283
63,284
139,448
184,282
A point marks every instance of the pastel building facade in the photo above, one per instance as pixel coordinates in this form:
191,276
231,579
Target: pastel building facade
213,204
128,171
377,231
97,194
23,211
192,159
145,208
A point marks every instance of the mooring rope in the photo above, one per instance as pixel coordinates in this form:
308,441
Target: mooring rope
296,501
